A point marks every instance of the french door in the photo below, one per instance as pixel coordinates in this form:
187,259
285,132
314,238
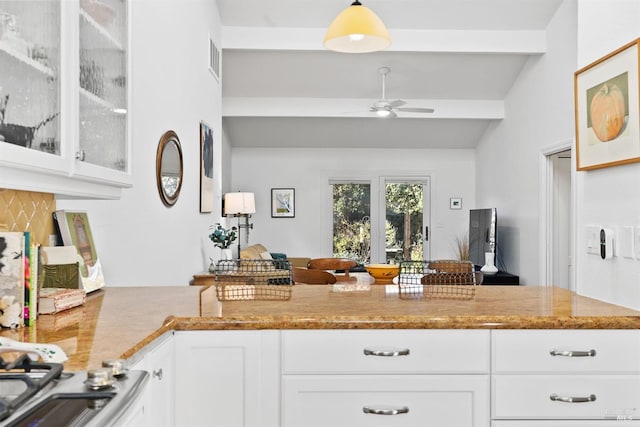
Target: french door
405,209
381,220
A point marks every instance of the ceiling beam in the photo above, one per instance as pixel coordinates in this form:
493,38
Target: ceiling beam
402,40
352,108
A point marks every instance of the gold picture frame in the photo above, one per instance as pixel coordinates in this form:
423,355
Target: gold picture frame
607,110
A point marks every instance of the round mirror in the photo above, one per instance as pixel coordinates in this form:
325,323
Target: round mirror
169,168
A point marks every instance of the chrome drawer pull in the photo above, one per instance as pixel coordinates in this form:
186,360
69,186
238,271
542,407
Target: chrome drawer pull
569,399
385,411
386,353
568,353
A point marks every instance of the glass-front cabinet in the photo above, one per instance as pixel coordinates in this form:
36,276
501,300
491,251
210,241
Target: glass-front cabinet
30,52
102,127
64,96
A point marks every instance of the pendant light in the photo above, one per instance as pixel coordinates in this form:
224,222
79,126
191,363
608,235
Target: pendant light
357,30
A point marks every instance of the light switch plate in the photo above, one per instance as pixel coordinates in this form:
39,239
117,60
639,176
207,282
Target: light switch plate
636,242
625,242
593,239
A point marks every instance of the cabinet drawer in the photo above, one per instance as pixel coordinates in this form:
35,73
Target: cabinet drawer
435,400
389,351
529,351
529,397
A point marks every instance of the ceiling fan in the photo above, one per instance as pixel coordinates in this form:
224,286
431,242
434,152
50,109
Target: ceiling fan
386,108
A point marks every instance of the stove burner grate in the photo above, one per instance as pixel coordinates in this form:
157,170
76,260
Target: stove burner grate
22,369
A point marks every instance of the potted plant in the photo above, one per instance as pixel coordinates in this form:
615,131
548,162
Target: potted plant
223,238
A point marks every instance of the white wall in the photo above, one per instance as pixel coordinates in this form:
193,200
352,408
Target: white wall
610,196
539,113
307,170
138,239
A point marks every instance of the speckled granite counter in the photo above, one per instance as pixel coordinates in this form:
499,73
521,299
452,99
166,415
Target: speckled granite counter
117,322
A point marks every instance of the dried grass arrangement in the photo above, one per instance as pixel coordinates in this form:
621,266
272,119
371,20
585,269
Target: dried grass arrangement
462,247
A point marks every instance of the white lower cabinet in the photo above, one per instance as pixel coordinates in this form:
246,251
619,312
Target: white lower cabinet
227,378
566,396
157,405
161,364
565,377
443,378
385,378
385,400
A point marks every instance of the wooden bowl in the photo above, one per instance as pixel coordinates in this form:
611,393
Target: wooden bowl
382,272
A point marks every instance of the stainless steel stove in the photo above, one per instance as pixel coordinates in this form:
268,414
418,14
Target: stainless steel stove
35,393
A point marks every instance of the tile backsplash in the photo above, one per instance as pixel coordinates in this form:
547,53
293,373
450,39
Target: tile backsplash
27,211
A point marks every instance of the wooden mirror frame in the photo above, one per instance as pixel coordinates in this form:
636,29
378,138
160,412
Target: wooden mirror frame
167,139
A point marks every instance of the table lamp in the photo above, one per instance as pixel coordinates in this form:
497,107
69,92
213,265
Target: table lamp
240,205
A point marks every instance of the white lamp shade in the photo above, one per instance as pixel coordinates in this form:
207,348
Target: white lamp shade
357,30
239,203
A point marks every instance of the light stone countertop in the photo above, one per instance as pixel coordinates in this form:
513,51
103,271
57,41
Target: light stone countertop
118,322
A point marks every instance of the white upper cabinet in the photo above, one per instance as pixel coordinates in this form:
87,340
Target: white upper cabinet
103,62
30,89
65,67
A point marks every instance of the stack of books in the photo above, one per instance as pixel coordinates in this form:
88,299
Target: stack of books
55,300
19,266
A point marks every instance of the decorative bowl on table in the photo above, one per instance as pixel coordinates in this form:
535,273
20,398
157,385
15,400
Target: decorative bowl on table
382,272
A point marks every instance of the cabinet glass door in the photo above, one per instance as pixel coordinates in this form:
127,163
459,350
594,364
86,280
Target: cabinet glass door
29,74
103,84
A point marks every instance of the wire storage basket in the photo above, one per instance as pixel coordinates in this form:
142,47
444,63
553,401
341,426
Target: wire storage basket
253,279
450,279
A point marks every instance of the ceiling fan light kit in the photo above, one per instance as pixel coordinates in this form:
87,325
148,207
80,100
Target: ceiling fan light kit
384,112
386,108
357,29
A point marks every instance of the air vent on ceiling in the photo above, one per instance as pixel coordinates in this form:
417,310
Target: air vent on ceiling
214,59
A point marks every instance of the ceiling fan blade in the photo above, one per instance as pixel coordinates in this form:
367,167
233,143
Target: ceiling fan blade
416,110
397,103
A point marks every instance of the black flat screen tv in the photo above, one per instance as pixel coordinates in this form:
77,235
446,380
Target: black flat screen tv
483,234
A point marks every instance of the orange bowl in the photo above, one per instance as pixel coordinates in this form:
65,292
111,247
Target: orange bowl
382,272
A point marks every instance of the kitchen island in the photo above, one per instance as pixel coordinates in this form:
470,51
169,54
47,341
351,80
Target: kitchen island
274,362
117,322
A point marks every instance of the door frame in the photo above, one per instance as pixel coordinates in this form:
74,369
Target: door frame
546,224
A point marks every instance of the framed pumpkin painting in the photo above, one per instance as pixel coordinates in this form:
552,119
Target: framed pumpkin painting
607,110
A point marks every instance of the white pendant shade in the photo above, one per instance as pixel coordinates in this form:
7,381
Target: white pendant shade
239,203
357,30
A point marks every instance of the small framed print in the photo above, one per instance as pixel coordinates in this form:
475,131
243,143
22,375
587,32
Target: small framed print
283,203
455,203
